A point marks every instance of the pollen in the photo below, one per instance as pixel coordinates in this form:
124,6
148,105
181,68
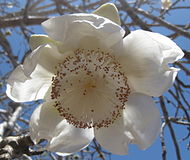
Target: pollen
90,89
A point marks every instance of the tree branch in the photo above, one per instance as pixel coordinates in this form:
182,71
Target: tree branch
167,121
14,22
164,23
133,15
7,48
15,146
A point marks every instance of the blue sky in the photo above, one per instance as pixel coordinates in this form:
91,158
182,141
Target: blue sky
154,152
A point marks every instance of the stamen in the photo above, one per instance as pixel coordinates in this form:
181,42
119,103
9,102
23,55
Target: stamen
89,89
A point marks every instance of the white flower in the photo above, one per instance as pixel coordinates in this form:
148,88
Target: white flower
94,82
166,4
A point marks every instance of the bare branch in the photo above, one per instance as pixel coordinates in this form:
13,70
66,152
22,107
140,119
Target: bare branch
168,25
167,121
15,146
164,152
133,15
8,51
15,22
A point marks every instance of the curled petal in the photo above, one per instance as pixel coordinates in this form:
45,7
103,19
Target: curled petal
171,52
146,61
114,138
46,123
37,40
109,11
47,56
76,30
142,120
21,88
31,80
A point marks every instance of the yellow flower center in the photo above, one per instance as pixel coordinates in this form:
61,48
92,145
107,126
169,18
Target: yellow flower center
89,89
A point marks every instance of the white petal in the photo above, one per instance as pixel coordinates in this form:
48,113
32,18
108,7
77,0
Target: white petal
21,88
154,84
31,80
142,119
139,125
47,56
73,29
115,138
109,11
39,39
170,50
146,61
46,123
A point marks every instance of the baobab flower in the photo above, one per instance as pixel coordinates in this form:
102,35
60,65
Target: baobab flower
94,82
166,4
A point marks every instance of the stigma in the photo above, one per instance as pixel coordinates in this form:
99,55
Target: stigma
90,89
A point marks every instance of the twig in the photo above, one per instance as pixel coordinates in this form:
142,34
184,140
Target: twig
6,46
11,122
167,121
71,7
58,7
15,146
164,152
35,4
98,150
13,22
133,15
185,69
179,121
182,84
164,23
25,14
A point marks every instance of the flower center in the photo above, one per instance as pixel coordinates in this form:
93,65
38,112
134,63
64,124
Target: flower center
89,89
